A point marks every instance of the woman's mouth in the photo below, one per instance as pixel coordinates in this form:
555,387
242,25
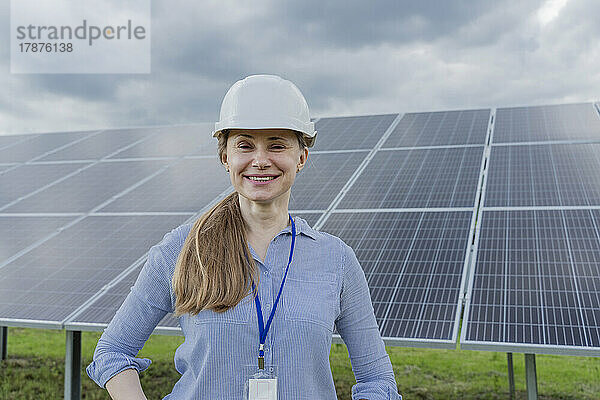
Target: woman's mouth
261,179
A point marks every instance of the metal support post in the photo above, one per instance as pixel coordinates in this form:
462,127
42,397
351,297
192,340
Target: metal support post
511,376
531,377
3,337
73,366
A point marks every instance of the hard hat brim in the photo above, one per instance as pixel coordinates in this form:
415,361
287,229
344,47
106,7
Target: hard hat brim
306,129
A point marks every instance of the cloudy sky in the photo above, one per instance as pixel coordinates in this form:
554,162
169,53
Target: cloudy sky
351,57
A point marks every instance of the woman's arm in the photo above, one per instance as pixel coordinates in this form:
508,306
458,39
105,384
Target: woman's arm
358,328
125,386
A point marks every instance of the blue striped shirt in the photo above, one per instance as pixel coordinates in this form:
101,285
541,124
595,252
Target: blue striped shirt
325,285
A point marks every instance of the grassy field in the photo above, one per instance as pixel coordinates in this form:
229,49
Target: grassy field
35,370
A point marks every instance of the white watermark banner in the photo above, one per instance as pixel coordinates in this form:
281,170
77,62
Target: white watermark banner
80,36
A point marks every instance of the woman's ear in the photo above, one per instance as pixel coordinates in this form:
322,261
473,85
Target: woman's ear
224,161
303,158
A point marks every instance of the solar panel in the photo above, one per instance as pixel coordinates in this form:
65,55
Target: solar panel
38,145
100,145
343,133
422,178
11,140
174,141
543,123
322,179
105,307
88,188
27,178
413,262
544,175
18,233
186,186
54,279
440,128
101,311
536,283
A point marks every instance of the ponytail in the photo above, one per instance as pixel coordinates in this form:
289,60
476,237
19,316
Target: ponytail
215,269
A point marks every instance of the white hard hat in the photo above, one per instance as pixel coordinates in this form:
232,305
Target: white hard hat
265,101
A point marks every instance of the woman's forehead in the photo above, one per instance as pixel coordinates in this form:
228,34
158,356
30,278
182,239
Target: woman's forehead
262,133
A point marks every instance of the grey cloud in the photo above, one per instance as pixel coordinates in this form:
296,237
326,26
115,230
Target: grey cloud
92,87
356,23
352,57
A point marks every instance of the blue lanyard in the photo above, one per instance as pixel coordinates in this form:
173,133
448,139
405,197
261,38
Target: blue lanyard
264,329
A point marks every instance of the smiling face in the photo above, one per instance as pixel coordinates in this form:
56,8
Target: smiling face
263,163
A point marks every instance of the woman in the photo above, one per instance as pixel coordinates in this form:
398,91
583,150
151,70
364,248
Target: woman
257,293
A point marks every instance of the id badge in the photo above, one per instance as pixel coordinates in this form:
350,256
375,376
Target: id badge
261,384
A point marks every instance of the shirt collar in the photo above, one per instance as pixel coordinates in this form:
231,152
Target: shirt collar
301,227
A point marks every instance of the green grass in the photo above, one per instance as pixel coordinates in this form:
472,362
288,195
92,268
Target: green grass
35,370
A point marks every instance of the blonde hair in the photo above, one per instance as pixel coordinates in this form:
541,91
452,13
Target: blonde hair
215,269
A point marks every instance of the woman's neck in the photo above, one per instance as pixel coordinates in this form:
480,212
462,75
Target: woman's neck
264,218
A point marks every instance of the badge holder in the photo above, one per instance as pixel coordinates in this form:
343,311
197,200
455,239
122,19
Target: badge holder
261,384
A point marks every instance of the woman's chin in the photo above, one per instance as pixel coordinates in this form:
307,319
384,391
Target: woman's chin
263,198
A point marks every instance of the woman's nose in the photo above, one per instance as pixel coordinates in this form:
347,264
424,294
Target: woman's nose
261,159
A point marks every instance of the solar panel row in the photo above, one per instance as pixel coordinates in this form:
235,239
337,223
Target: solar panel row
414,260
